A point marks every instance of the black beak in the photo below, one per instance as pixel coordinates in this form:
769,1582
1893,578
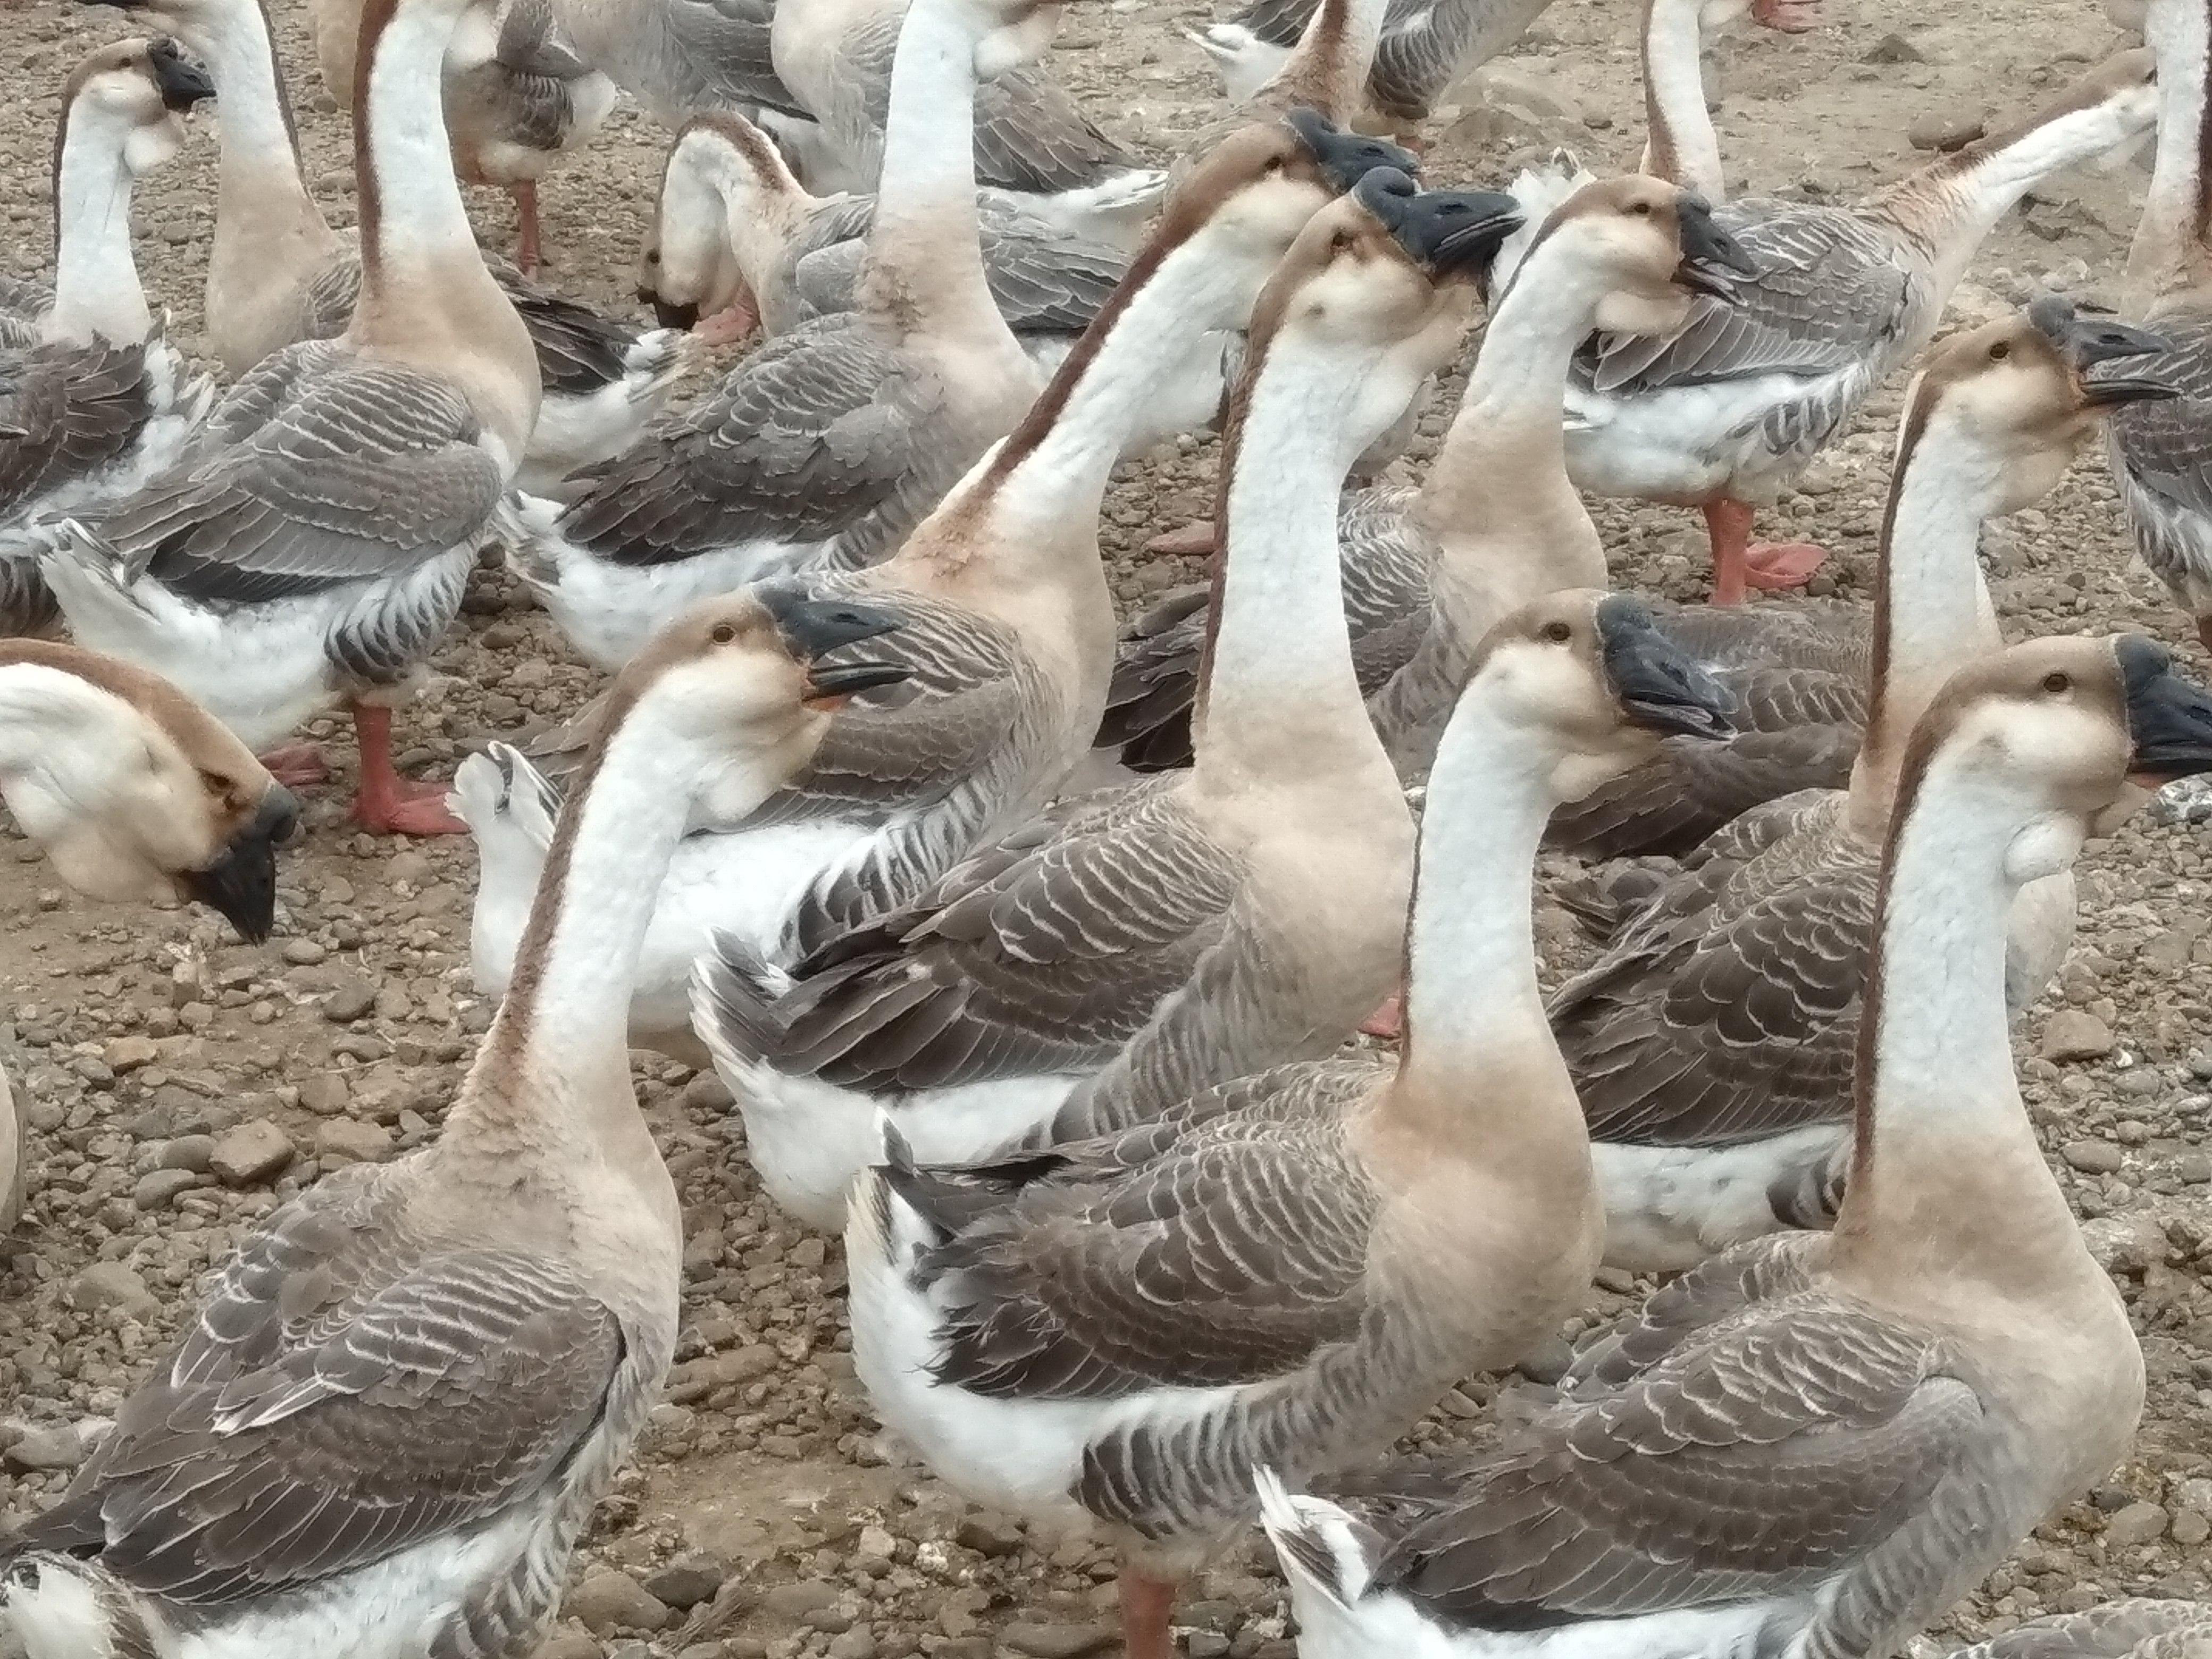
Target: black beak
669,316
241,886
1658,684
1345,158
2169,719
2086,340
814,627
1711,259
1443,230
182,84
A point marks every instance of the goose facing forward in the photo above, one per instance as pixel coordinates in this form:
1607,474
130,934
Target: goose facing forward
93,400
383,1432
1711,1044
1816,1442
133,790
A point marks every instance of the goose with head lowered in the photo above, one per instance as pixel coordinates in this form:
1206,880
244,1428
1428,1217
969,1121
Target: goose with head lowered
313,547
132,790
1814,1444
1711,1044
1495,522
1722,411
93,400
1117,1334
385,1429
1121,953
1007,622
277,274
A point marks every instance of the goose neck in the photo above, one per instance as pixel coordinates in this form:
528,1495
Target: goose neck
1680,143
2169,250
260,193
760,215
1329,67
1932,609
96,290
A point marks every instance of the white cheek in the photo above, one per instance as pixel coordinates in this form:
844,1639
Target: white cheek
149,148
2043,847
1623,313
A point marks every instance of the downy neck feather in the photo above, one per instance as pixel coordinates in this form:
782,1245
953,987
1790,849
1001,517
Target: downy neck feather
96,289
2168,253
1932,611
1679,145
762,210
1327,69
61,739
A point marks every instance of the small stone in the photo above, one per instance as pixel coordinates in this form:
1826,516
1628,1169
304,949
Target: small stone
685,1582
111,1284
348,1140
795,1602
608,1600
2190,1530
192,1152
1548,1363
1042,1641
987,1535
1893,48
2138,1524
876,1545
856,1644
128,1054
570,1644
325,1093
2076,1034
1207,1644
252,1152
2093,1157
1944,130
45,1451
409,866
697,1378
350,1001
303,952
157,1188
707,1092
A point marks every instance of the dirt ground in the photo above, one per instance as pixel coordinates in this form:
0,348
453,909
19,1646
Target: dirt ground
763,1517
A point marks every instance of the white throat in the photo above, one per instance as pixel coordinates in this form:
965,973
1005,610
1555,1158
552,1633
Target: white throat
423,222
2167,252
62,746
96,289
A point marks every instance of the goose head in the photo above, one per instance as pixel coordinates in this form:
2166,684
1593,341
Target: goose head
134,95
1590,687
2055,740
740,689
1657,245
720,166
1009,33
133,790
2105,113
2015,400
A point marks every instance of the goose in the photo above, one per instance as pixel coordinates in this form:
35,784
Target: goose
1031,138
518,96
93,399
383,1431
1711,1044
278,275
1722,411
1816,1442
132,790
2159,456
1426,572
1116,1332
2137,1628
1008,623
314,546
1121,953
738,238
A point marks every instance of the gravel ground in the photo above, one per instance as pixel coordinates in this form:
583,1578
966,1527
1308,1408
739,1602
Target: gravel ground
178,1085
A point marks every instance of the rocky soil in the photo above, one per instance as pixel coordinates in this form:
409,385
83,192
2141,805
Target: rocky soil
178,1085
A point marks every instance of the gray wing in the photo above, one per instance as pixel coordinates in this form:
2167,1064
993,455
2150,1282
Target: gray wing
2163,445
328,471
721,56
1759,1458
1224,1244
1044,953
1730,1008
1279,22
815,433
2135,1629
338,1400
66,411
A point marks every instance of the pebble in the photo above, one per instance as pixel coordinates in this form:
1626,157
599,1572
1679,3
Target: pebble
795,1602
250,1152
159,1187
570,1644
608,1600
1892,48
2093,1157
192,1152
349,1001
128,1054
1944,130
303,952
43,1450
113,1284
325,1093
685,1582
351,1141
1058,1641
2076,1034
2138,1524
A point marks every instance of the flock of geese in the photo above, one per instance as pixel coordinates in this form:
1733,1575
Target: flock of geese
1030,945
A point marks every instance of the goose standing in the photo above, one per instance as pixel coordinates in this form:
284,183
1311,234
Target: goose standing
1712,1044
386,1429
738,239
1816,1442
314,546
1722,411
1008,624
2161,456
132,790
1120,953
93,400
277,274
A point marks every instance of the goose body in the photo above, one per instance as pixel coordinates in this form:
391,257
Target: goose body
94,401
1815,1443
1712,1044
1423,48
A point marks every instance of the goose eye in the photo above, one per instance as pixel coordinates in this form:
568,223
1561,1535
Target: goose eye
1275,166
2000,351
2057,680
1557,632
1339,243
722,633
1641,209
653,256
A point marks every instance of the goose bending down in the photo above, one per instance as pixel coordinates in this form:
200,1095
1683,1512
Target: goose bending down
1712,1044
1007,622
1031,138
518,96
2161,455
2139,1628
1424,573
1117,1333
739,240
93,400
1817,1442
1722,412
277,274
1121,953
132,790
313,546
385,1430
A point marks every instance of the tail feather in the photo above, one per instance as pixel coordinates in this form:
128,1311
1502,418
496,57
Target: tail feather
62,1609
1540,190
1322,1548
655,360
734,992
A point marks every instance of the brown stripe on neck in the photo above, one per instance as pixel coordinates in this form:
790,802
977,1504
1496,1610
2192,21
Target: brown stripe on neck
368,191
276,76
109,57
758,152
1908,446
2203,222
1238,406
